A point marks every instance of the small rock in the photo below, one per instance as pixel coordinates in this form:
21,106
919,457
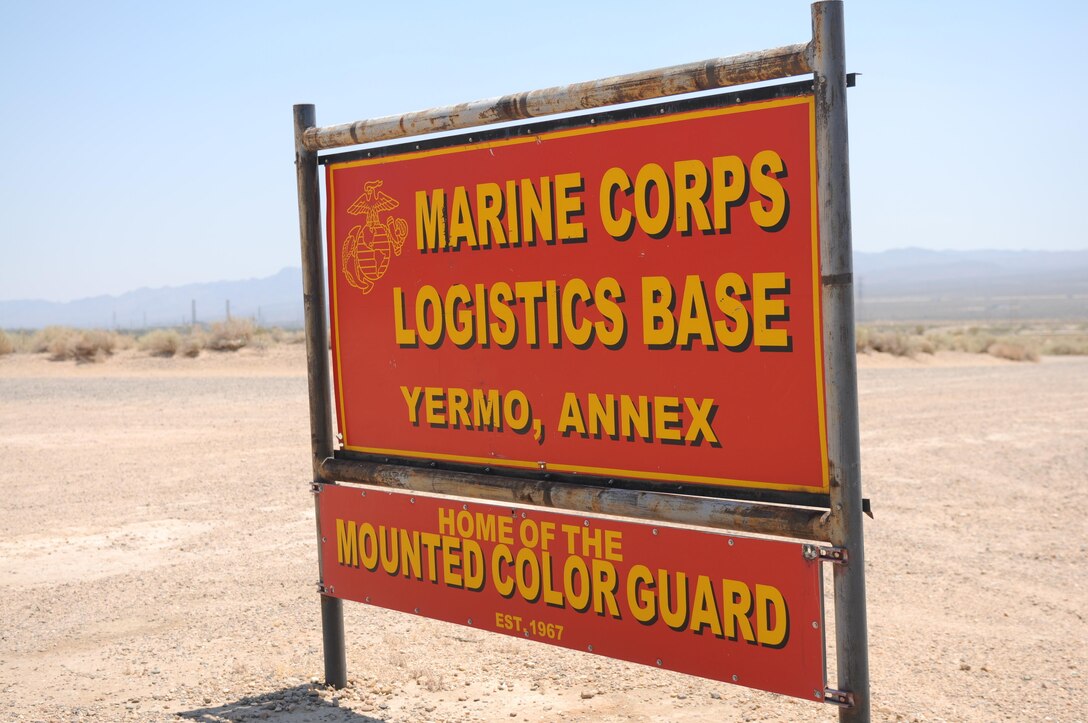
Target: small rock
964,666
586,694
716,696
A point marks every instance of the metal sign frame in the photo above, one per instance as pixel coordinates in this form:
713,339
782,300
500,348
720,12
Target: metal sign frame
839,524
667,112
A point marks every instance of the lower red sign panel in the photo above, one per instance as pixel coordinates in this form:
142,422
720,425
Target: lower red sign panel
736,609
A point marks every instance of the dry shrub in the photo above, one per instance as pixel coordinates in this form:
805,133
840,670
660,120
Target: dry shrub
1013,351
861,340
161,342
51,338
191,346
7,346
894,343
907,342
283,336
83,346
170,342
260,340
972,341
976,342
1066,347
266,336
20,341
230,335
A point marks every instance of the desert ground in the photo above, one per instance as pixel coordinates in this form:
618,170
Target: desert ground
158,559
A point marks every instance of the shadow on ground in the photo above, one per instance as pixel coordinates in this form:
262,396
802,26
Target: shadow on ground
289,705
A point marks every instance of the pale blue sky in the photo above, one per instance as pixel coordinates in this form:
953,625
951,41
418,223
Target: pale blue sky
149,144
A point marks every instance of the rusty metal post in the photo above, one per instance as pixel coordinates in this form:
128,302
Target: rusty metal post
840,370
318,373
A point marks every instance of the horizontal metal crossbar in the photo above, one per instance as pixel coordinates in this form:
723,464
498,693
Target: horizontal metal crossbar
773,64
736,515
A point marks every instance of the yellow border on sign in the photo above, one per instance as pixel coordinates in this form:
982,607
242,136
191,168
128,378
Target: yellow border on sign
589,130
817,307
343,421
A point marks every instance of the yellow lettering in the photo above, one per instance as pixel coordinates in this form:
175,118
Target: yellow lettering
730,184
767,168
431,220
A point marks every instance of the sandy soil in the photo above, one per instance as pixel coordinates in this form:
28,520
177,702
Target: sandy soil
158,559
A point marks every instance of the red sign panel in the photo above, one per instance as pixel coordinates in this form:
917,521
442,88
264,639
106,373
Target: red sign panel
736,609
631,299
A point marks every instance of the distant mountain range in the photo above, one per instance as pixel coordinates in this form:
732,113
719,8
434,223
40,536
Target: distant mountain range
919,284
903,284
272,301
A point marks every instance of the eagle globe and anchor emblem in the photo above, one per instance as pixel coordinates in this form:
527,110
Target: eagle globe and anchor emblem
368,248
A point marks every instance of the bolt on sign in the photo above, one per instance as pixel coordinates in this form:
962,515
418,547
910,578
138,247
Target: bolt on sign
630,298
732,608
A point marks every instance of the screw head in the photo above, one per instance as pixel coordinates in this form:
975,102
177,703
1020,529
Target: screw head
815,624
655,531
736,678
731,542
589,648
659,661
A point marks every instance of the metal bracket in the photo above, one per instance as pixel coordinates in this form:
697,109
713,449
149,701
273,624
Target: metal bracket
841,698
315,487
325,590
837,555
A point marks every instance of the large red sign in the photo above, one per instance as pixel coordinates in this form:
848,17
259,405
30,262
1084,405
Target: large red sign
631,299
737,609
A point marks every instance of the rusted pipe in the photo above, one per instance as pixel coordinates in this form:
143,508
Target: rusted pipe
795,522
710,74
840,360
